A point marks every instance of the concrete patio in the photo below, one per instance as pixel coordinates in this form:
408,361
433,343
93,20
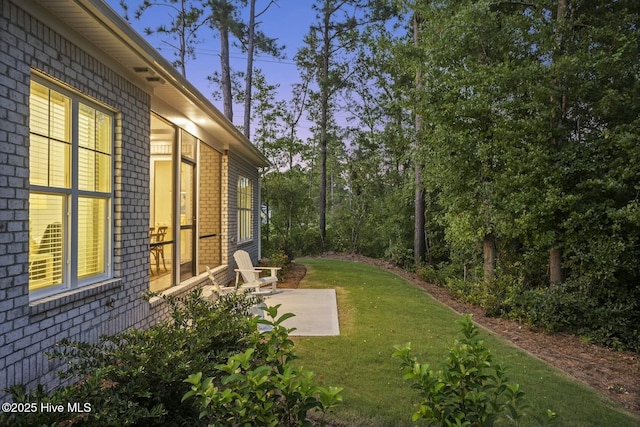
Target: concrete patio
316,311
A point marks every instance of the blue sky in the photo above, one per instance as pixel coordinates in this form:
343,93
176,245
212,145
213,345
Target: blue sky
287,20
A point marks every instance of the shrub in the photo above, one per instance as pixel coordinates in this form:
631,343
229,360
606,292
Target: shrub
430,274
470,389
261,386
603,316
279,258
466,291
439,274
304,241
136,377
399,255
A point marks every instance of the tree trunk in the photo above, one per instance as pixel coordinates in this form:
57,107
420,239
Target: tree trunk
322,205
489,255
324,120
560,101
182,53
225,71
249,74
555,266
268,221
419,243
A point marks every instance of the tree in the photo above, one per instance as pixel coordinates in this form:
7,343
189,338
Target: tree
268,115
292,146
472,54
593,78
334,34
520,130
255,41
187,19
419,243
290,211
560,100
374,215
225,19
286,203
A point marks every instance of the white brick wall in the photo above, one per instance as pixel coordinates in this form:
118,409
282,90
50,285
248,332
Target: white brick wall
28,329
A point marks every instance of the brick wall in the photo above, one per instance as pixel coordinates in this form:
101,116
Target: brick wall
239,167
210,202
27,329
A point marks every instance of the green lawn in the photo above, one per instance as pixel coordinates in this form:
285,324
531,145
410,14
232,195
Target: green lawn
378,310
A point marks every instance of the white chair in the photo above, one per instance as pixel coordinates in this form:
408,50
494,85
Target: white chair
251,275
214,291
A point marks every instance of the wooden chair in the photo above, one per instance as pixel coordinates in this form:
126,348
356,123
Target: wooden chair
250,274
215,291
157,247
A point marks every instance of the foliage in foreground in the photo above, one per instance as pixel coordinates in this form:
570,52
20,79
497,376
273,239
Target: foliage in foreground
262,386
137,377
145,378
469,390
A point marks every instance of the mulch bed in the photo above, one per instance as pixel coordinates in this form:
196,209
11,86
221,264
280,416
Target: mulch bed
614,373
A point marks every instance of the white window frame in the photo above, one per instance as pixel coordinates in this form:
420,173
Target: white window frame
245,230
72,194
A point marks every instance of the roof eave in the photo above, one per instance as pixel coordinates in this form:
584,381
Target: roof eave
96,12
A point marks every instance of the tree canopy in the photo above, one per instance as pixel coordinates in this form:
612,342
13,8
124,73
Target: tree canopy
522,118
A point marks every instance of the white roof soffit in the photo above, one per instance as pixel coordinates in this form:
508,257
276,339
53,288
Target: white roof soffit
105,29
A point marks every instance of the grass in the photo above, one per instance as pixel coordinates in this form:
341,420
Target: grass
378,310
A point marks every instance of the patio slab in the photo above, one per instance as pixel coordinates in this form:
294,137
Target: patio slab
316,311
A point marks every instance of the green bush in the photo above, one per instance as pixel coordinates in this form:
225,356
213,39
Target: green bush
430,274
399,255
604,317
136,377
443,272
303,241
278,258
261,386
470,389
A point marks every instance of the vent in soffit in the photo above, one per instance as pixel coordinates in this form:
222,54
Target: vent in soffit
149,75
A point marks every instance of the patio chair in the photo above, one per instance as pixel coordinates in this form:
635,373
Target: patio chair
214,291
250,274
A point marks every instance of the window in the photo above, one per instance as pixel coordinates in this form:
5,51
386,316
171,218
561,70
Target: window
70,198
245,195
